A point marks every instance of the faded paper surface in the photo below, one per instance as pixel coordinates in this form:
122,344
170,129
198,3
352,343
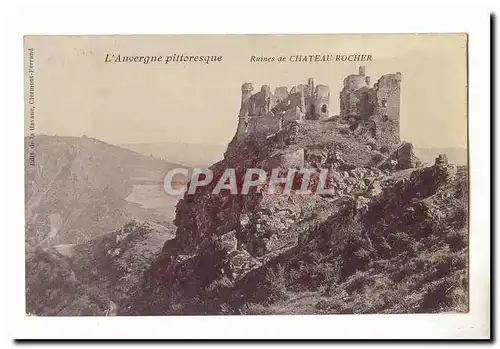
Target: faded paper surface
108,117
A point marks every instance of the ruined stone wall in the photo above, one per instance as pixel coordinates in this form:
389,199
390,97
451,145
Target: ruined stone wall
321,102
265,112
352,102
259,103
363,103
388,90
386,131
297,100
355,82
246,94
267,124
377,108
242,128
281,93
293,114
387,109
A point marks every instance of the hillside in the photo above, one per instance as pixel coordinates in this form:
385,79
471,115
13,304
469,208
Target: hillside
392,239
187,154
82,187
92,278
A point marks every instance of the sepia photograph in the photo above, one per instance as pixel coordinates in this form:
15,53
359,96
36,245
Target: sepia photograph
295,175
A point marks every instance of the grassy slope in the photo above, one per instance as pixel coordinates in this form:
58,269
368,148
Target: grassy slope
380,266
406,253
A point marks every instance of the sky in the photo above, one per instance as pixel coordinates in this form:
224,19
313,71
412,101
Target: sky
77,92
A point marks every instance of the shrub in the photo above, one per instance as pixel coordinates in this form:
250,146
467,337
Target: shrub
314,275
218,286
337,306
420,264
384,149
437,297
322,305
357,282
356,256
405,271
344,131
255,309
377,157
226,309
460,300
274,285
401,242
456,240
332,277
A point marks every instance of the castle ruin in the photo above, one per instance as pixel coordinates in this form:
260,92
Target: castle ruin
375,109
267,112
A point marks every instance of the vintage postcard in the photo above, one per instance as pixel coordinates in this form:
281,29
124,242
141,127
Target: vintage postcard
246,174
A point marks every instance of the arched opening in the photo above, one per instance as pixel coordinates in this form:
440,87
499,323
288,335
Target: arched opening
324,108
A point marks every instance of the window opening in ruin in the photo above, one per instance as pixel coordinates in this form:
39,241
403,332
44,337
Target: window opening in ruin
313,111
323,108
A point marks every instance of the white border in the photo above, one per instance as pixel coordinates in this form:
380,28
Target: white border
299,17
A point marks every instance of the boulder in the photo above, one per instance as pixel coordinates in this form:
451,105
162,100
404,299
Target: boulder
228,241
405,157
442,159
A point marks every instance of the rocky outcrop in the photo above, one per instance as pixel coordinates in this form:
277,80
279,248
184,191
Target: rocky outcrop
236,254
401,159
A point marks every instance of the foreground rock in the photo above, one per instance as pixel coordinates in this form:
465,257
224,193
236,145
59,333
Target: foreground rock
391,239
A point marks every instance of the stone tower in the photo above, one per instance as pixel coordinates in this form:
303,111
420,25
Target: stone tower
310,85
246,93
378,106
321,102
388,89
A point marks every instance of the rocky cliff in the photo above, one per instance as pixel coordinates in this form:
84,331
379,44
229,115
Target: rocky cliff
392,238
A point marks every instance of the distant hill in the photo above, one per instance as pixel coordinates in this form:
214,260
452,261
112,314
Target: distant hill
189,154
457,156
80,188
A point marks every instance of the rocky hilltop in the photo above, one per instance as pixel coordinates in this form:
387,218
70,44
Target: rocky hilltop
390,235
391,239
